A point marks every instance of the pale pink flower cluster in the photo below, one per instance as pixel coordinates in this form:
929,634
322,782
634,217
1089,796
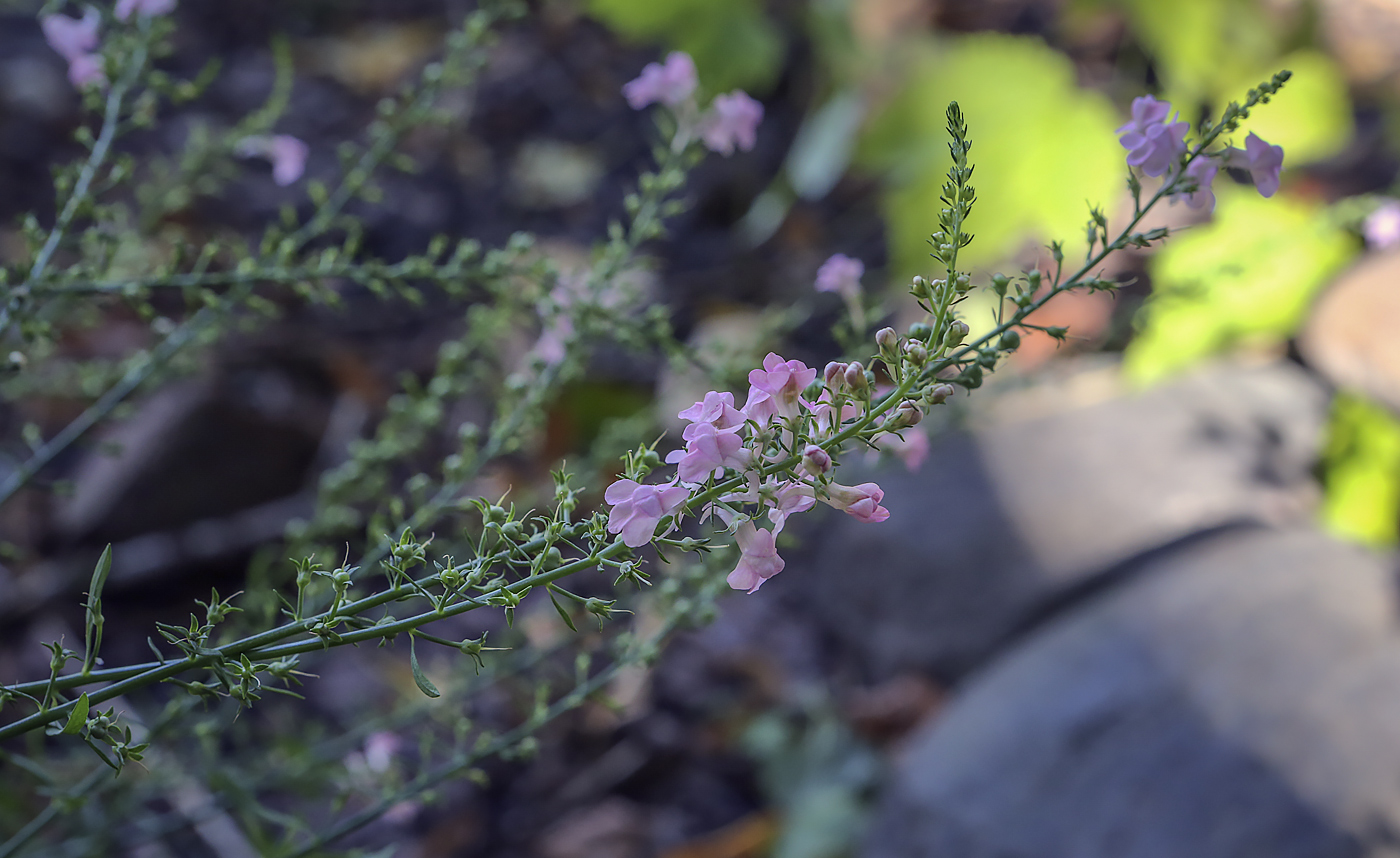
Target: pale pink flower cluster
286,153
1157,146
731,121
723,439
76,40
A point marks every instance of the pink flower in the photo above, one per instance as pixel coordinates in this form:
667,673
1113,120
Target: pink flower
71,37
862,501
637,509
782,500
1152,143
731,121
840,274
75,40
815,460
708,452
668,84
1382,226
149,8
716,409
286,153
1203,170
758,558
911,448
776,389
1263,162
824,414
381,747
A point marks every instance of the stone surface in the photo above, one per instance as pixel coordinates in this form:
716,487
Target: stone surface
1240,697
1350,335
1003,525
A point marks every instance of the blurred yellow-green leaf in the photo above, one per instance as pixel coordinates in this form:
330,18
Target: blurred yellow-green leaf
1043,147
1201,47
1310,118
1247,277
1362,472
733,42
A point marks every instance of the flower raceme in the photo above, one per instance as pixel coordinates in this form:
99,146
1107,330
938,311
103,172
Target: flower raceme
730,123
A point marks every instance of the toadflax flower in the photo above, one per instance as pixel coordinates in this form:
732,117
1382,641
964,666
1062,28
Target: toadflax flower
148,8
1203,170
775,390
732,121
1153,143
708,451
669,84
286,153
1262,161
840,274
638,508
1382,226
75,39
758,557
862,501
716,410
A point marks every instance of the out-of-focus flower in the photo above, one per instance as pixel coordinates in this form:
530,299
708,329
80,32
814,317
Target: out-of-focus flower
149,8
708,451
1382,226
75,39
862,501
638,508
731,121
912,447
1203,170
669,84
1263,162
840,274
758,557
381,747
1153,143
286,153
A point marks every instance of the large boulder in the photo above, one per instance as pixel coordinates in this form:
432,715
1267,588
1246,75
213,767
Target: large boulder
1239,697
1004,524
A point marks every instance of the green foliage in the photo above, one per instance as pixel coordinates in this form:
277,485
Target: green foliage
1362,472
1044,146
1247,277
733,42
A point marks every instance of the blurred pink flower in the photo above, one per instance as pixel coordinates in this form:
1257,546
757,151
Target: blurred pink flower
1382,226
840,274
709,451
825,417
1203,170
862,501
1263,162
731,121
912,448
87,70
1153,143
286,153
758,558
668,84
638,508
149,8
75,39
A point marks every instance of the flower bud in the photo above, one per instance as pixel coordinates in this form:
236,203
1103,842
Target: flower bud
962,283
815,460
905,414
919,288
957,331
916,353
920,331
495,514
887,340
855,378
834,375
1033,278
999,283
939,393
1010,341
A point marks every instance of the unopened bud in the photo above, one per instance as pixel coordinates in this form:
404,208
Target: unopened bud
905,414
919,288
855,377
920,331
887,340
1010,341
1033,278
815,460
916,353
962,284
957,331
834,375
939,393
999,283
495,514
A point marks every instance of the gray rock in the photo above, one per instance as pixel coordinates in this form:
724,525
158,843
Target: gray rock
1240,697
1006,523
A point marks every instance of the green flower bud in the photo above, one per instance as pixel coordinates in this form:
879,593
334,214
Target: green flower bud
1010,341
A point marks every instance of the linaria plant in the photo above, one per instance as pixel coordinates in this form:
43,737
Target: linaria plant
424,548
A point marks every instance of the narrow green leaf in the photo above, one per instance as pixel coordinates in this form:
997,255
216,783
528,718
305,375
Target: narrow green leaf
78,717
99,578
568,621
425,685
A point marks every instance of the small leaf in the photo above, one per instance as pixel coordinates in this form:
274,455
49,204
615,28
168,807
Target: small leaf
78,717
99,578
568,621
425,685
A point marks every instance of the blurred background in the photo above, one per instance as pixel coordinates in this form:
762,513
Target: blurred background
1137,600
